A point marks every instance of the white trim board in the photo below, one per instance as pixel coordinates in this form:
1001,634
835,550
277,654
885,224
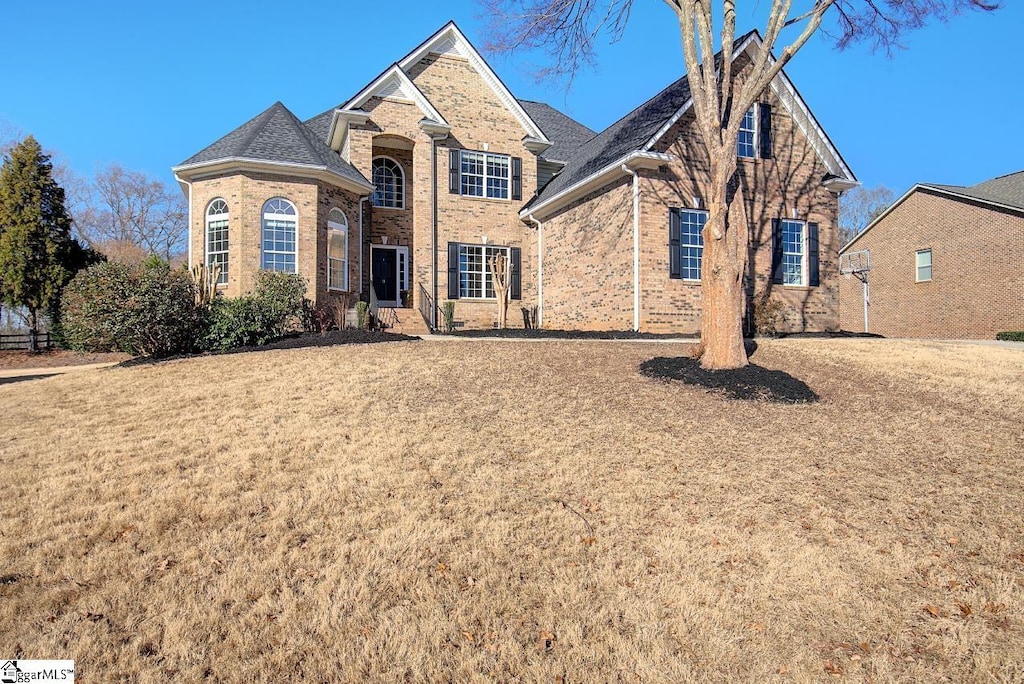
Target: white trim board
394,80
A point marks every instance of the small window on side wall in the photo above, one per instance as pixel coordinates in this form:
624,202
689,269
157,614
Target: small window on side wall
924,265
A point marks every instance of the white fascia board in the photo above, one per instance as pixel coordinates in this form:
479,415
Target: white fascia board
408,88
337,132
194,172
634,160
795,105
452,32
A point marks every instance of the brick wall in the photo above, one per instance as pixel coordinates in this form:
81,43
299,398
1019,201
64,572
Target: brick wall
977,286
588,262
245,194
478,118
596,291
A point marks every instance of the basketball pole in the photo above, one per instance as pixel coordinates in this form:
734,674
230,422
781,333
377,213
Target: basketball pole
867,298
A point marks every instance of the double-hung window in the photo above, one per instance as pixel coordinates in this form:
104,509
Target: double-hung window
745,142
794,253
924,265
217,239
337,250
475,281
755,135
487,175
686,243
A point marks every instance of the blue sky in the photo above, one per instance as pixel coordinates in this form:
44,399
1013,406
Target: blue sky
149,84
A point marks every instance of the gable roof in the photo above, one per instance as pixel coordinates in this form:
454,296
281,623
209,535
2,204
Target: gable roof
449,39
639,130
1002,192
566,134
394,82
275,137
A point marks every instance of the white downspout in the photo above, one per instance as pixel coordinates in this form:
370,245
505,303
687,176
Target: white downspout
189,184
361,200
636,246
540,271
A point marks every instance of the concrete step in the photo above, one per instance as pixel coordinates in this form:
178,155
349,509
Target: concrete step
406,321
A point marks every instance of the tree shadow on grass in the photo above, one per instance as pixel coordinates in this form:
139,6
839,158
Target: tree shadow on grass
752,383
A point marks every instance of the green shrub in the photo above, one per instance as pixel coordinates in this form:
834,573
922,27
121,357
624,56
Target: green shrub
273,310
362,315
448,313
142,309
1011,336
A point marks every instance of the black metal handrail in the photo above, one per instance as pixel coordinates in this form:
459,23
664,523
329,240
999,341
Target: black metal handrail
427,308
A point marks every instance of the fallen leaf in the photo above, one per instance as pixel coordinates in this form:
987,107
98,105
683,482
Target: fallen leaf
783,670
865,646
965,609
833,668
589,541
933,611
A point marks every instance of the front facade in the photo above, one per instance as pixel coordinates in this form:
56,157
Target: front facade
403,194
945,263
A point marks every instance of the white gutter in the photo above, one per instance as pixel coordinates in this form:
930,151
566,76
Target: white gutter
636,246
217,166
361,200
540,271
189,184
634,160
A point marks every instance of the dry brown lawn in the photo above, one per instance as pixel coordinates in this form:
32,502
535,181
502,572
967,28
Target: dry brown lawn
502,511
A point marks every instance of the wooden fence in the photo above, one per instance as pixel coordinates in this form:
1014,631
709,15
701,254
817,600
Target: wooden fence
23,341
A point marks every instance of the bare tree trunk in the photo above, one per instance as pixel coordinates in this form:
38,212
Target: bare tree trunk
724,263
33,330
500,269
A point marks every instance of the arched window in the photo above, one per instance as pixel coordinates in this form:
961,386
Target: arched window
280,226
337,250
388,183
217,238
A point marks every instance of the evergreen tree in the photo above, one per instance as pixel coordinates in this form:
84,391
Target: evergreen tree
36,248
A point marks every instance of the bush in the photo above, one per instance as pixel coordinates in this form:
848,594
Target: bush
1011,336
766,313
448,314
362,315
268,314
143,310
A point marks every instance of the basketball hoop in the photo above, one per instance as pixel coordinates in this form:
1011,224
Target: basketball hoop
858,264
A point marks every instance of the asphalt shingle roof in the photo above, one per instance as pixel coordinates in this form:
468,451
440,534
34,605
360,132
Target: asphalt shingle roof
277,136
628,134
566,134
1008,189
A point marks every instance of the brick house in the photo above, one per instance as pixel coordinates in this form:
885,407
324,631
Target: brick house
945,263
405,190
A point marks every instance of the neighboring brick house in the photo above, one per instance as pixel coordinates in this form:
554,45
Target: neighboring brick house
406,189
945,262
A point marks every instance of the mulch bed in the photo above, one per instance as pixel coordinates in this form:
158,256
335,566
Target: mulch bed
749,383
538,334
298,341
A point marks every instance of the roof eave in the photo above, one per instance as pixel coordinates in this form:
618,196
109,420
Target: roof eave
200,170
634,161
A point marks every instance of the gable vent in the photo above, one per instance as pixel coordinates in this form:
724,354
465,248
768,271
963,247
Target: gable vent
392,88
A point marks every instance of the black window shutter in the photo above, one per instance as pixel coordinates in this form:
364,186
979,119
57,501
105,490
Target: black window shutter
453,270
766,130
777,251
813,274
517,178
515,277
454,172
674,258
